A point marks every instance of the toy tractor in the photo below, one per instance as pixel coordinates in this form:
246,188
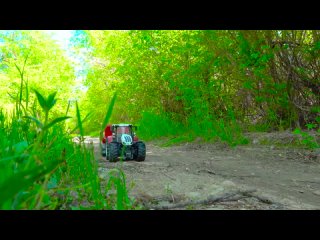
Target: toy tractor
120,141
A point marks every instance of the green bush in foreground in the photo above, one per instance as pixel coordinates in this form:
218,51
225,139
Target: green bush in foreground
42,168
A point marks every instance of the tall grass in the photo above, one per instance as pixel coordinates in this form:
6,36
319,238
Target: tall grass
42,168
205,126
153,126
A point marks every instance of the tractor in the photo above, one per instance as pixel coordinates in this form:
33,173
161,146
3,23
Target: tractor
120,141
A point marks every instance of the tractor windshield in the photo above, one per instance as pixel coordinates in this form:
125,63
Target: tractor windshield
123,129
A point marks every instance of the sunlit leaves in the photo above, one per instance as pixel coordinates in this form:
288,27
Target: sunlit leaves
41,62
183,73
46,103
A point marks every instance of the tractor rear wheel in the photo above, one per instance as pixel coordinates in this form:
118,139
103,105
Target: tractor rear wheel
141,151
103,149
107,155
113,151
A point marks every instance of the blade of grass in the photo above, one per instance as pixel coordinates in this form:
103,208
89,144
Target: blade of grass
79,120
59,119
27,94
68,108
109,112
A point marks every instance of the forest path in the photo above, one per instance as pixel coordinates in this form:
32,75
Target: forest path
215,176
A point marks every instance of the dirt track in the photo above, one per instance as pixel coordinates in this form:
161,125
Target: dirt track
215,176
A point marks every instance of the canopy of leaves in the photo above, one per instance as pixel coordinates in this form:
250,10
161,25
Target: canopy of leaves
266,78
41,62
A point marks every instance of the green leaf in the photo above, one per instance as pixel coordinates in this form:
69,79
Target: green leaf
51,100
79,120
87,117
46,199
15,157
248,85
109,112
297,131
39,124
310,126
68,107
255,55
53,182
19,181
260,99
13,97
59,119
41,100
20,147
315,109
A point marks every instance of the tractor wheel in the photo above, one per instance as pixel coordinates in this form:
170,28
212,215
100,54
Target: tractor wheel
141,151
103,149
113,151
107,155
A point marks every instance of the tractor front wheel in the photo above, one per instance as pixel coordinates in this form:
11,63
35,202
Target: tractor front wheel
141,151
113,151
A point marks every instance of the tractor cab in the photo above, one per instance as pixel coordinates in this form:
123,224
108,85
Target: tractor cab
124,133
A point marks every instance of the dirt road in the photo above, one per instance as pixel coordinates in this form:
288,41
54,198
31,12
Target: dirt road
215,176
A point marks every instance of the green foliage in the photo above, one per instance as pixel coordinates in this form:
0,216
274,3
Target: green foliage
41,168
79,120
117,182
153,126
29,160
32,60
46,104
307,139
181,85
55,121
164,73
109,112
21,180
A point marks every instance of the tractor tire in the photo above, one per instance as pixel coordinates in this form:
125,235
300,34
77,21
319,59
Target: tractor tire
107,152
141,151
103,149
113,151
